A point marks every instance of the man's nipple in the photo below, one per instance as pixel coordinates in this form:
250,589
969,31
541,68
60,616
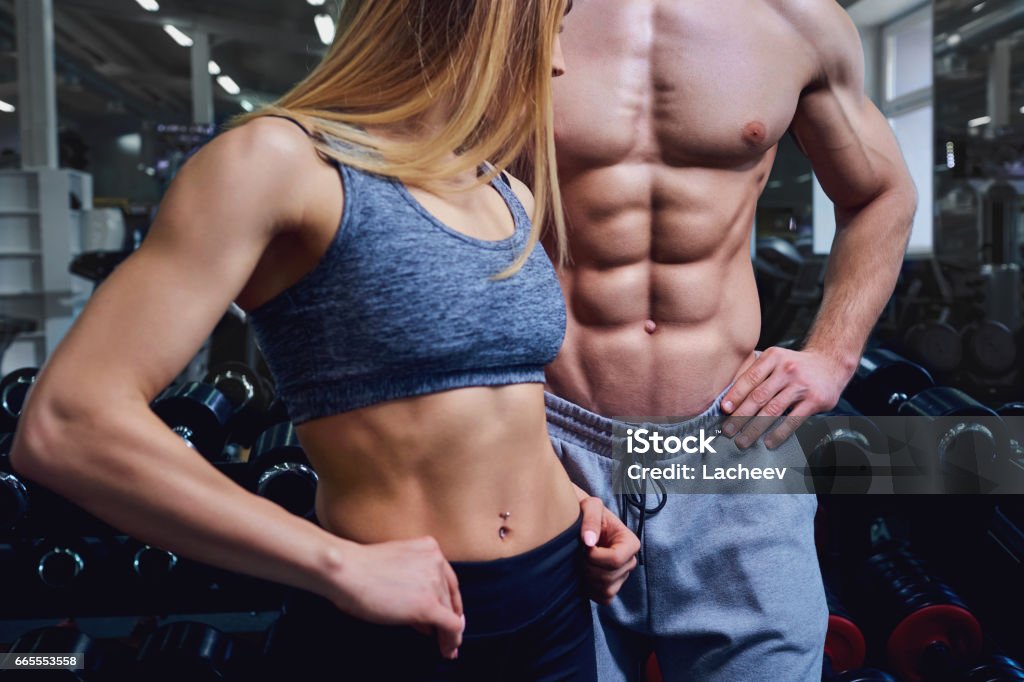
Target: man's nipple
755,132
650,326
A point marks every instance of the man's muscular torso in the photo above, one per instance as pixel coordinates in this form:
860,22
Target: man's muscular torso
666,127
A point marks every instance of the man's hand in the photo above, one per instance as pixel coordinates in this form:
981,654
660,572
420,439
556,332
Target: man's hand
404,582
611,550
804,382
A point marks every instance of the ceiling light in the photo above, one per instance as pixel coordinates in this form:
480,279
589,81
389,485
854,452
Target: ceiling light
149,5
953,40
178,36
977,8
5,107
315,3
229,85
247,105
214,68
325,27
980,121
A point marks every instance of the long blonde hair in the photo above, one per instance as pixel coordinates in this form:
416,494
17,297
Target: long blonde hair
393,60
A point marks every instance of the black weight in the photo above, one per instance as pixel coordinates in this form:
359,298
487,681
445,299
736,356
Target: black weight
249,397
937,344
883,381
13,390
199,413
282,471
991,348
186,650
58,640
13,491
996,668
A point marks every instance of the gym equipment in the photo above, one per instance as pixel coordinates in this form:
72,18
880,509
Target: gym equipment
197,412
61,564
836,445
965,435
883,381
844,643
282,471
13,390
931,630
936,343
990,348
996,668
249,396
13,492
151,565
61,640
186,650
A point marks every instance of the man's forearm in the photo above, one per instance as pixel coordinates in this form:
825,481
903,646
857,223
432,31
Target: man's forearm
862,269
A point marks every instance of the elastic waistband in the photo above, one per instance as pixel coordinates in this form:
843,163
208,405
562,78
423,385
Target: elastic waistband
507,594
569,421
498,597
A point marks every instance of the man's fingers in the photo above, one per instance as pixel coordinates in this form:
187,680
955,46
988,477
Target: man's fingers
755,374
763,420
593,512
801,411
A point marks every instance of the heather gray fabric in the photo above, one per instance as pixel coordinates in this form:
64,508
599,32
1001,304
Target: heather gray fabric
402,305
730,588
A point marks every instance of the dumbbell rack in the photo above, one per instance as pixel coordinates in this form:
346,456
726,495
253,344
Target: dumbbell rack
40,232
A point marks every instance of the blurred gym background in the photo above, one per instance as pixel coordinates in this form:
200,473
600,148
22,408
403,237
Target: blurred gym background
101,101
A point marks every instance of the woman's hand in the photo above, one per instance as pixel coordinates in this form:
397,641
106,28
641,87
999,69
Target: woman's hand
404,582
611,550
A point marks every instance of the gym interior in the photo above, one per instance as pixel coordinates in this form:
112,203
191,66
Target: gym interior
102,102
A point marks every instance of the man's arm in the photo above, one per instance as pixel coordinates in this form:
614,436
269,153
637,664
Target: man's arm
858,162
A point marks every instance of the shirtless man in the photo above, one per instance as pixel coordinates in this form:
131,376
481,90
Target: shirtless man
667,125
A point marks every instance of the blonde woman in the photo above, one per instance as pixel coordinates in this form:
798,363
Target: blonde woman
406,310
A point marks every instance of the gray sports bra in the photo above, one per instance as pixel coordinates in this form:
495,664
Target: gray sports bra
402,305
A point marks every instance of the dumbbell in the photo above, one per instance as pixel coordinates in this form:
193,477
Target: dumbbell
995,668
963,434
250,399
844,642
187,650
151,565
936,343
282,471
96,661
836,445
62,564
990,348
199,413
13,390
883,381
931,630
13,491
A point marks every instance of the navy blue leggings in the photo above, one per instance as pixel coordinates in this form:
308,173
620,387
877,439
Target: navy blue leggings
526,619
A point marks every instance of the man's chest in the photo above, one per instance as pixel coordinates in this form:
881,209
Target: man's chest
681,83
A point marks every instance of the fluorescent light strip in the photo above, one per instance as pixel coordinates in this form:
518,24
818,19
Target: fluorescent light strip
315,3
229,85
247,105
325,27
6,107
178,36
149,5
214,68
980,121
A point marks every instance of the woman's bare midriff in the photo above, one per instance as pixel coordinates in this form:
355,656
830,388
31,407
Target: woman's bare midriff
472,467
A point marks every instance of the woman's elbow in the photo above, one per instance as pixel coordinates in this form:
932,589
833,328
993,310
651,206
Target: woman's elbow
40,446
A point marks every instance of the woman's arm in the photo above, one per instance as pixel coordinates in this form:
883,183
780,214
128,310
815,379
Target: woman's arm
88,434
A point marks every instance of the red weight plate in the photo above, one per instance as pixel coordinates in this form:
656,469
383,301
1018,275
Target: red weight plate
955,627
844,644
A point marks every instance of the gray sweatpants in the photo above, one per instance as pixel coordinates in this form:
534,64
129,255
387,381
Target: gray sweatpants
730,588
